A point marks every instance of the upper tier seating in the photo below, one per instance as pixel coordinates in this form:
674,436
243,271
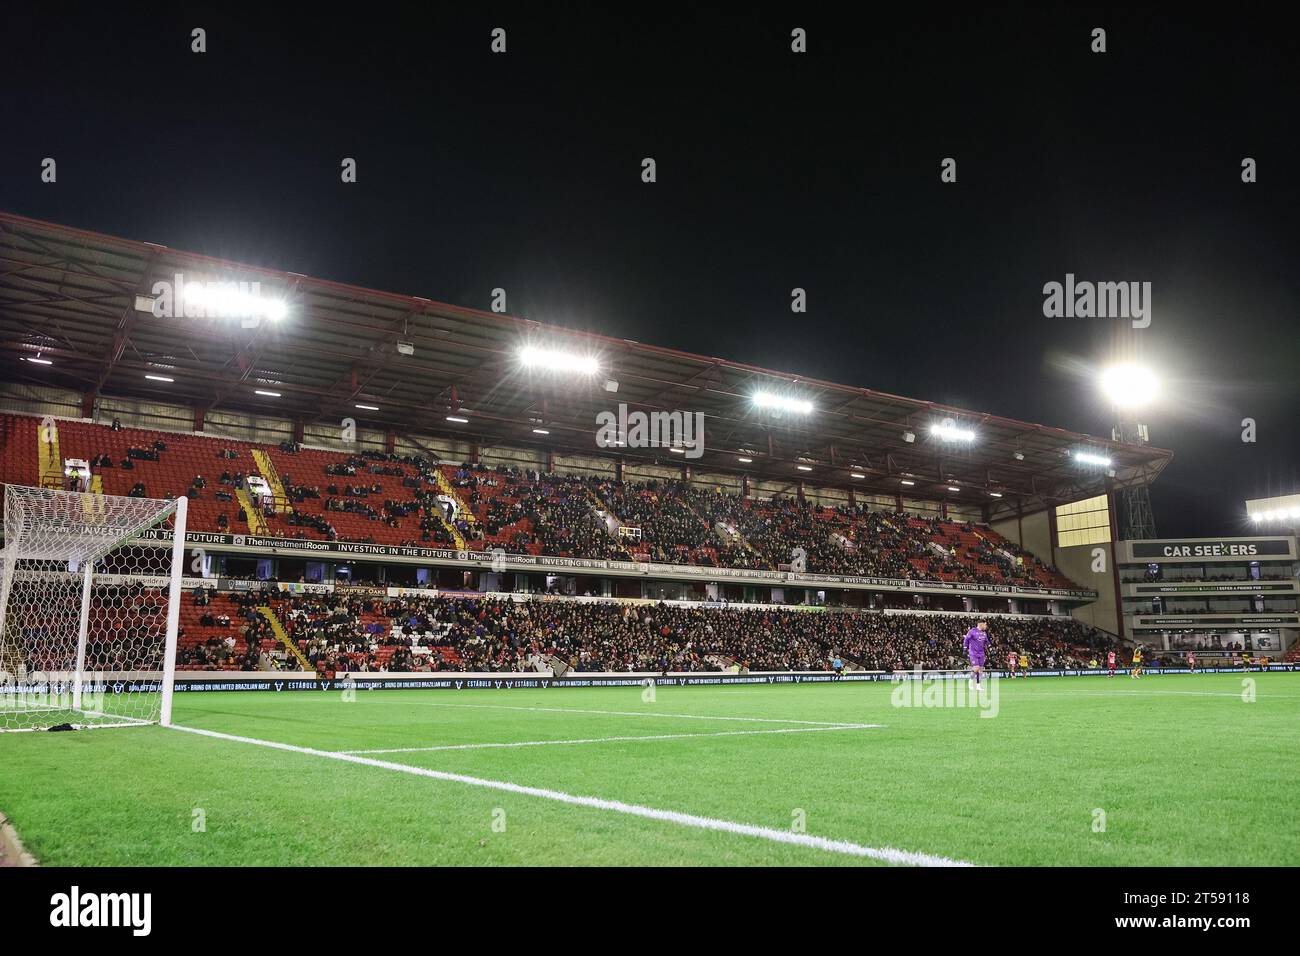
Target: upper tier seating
388,500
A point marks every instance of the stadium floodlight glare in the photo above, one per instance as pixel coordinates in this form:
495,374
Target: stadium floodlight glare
229,300
458,420
905,481
540,431
995,494
782,403
856,474
367,408
1092,458
949,430
268,394
745,461
1129,386
555,360
678,451
804,467
953,488
159,378
37,361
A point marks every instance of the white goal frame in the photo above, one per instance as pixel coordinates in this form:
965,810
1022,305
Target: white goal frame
42,538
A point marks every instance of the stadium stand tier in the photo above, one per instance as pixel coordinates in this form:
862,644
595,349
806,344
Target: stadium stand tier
479,633
407,500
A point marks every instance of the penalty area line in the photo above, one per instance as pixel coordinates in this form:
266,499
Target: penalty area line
885,854
604,740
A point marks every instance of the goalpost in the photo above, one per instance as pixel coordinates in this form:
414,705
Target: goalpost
89,609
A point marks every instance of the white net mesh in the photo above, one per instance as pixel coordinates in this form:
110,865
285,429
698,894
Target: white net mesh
85,609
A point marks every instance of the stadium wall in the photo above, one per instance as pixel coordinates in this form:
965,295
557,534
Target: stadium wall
1034,534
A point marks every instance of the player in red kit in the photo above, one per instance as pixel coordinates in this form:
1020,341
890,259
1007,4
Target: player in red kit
1110,664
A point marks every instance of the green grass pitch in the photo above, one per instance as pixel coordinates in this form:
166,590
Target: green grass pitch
1184,770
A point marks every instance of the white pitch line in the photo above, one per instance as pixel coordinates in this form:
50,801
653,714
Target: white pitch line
627,713
604,740
885,854
1161,693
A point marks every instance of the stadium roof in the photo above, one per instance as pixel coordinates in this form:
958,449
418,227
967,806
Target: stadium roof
69,296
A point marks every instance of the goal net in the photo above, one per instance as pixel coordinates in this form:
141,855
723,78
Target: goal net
89,609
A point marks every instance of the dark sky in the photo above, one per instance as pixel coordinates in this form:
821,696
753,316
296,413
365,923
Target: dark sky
775,170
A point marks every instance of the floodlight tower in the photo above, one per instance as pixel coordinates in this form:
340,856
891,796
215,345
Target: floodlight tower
1131,388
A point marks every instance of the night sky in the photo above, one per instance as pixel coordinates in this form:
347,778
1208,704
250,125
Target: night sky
775,171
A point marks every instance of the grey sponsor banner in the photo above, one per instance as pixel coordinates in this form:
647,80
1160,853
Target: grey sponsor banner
1210,548
1216,587
1212,621
525,561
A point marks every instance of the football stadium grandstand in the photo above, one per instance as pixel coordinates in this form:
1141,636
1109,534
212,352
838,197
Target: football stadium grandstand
348,439
388,493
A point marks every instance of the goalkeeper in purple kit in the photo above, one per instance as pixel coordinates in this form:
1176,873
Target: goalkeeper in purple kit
976,643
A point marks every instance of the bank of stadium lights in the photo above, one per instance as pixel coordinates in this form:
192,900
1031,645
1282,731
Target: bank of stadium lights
1281,514
953,488
781,403
1129,386
266,393
804,467
160,378
745,461
948,430
906,481
1091,458
458,419
557,360
224,300
540,431
856,474
37,360
995,494
367,408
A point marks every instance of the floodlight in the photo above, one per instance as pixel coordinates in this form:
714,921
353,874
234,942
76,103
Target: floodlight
948,430
782,403
555,360
1092,458
1129,386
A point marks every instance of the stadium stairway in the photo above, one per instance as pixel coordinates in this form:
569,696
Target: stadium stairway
283,636
49,461
453,493
256,523
266,468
